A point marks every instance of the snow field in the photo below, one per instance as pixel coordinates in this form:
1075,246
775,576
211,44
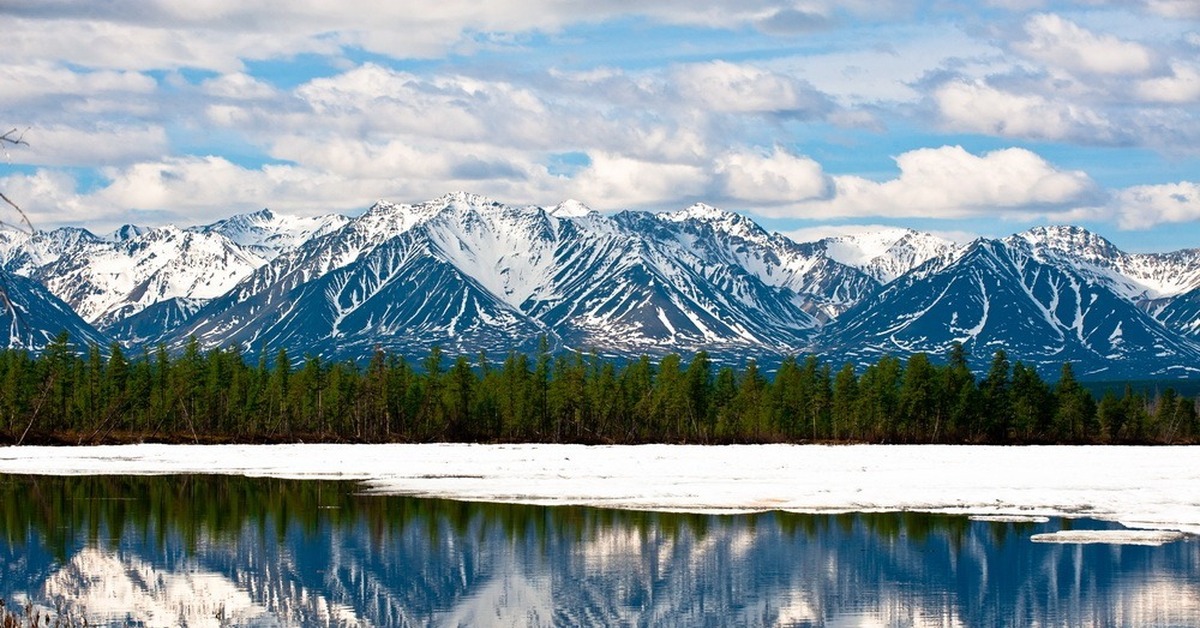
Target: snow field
1141,487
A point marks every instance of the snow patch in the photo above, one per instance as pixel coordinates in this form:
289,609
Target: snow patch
1142,487
1110,537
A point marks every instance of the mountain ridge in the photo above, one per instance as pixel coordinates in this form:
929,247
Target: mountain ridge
468,273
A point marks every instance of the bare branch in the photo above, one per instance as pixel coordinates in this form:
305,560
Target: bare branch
15,137
24,218
18,140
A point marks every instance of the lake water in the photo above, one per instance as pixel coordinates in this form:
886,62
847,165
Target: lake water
205,550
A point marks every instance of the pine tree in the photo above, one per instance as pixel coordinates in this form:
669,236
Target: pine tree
1032,404
918,398
1075,410
997,398
845,402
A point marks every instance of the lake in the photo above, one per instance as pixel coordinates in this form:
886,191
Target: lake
228,550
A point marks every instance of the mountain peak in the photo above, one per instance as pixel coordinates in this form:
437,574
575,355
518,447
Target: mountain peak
1070,239
125,232
463,198
570,208
699,211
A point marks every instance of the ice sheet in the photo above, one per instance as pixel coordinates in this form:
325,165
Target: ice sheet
1111,537
1144,487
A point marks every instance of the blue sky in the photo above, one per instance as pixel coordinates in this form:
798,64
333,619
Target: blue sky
809,115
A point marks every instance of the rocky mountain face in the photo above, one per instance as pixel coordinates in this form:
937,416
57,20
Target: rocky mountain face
1006,294
31,317
468,274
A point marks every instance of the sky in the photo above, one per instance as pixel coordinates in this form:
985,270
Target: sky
811,116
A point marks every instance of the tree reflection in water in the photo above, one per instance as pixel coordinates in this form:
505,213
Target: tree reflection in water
225,549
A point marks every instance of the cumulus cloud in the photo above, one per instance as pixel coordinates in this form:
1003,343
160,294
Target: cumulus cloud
978,107
61,145
47,197
238,86
779,177
146,88
221,34
33,83
1064,44
1145,206
729,87
214,184
949,182
618,181
1181,86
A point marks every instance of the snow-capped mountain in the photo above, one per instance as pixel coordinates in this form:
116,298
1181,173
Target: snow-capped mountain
1140,277
108,280
24,253
268,234
886,254
155,321
467,273
823,287
1009,294
31,316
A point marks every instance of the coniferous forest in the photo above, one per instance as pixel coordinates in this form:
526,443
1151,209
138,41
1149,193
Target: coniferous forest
219,395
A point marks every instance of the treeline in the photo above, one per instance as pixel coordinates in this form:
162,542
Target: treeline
220,396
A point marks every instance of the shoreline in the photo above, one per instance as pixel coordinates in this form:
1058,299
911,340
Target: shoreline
1140,487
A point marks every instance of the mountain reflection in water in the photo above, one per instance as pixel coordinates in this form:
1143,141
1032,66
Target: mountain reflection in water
217,550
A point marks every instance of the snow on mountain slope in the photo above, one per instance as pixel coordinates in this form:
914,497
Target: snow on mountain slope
24,253
105,281
112,589
31,316
1000,295
268,234
1136,276
623,284
885,254
155,322
822,286
400,296
470,273
570,208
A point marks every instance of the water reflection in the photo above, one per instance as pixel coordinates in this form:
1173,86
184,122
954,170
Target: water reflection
201,550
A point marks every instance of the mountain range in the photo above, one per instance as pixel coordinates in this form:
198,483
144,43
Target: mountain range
470,274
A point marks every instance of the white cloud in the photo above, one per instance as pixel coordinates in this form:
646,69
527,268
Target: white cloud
728,87
26,83
978,107
779,177
1064,44
238,86
213,186
1175,8
221,34
1181,86
949,182
1145,206
613,181
47,197
99,44
61,145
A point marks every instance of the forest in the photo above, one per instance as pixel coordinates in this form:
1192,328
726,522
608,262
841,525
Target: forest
65,396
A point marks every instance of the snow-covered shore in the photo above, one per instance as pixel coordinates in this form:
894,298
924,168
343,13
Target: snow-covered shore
1144,487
